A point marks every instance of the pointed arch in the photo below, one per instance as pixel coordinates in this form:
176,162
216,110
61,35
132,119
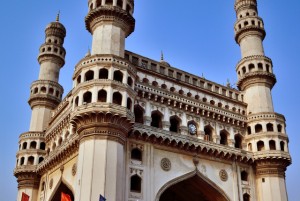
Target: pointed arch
62,186
207,187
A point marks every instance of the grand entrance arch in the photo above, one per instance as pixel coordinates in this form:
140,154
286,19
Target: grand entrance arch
191,187
62,188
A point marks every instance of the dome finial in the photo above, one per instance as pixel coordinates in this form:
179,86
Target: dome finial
57,17
162,56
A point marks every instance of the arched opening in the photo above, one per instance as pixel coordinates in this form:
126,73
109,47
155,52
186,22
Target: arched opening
250,147
136,154
129,104
270,127
223,137
102,95
117,98
120,3
156,119
272,145
238,141
24,146
76,101
251,67
62,189
244,176
30,160
59,141
109,2
43,90
41,159
154,83
282,146
174,124
139,114
89,75
246,197
208,132
87,97
191,187
43,146
136,184
130,81
260,66
103,73
22,161
258,128
118,76
51,91
260,146
249,130
98,3
32,145
279,128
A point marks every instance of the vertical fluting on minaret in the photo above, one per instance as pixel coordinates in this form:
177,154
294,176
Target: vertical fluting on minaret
266,135
45,95
46,92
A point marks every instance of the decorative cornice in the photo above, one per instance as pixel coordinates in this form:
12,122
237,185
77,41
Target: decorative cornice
258,77
250,31
271,167
51,57
46,100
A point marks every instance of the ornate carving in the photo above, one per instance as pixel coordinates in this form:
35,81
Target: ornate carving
165,164
223,175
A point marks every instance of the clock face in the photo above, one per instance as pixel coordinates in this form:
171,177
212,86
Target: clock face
192,129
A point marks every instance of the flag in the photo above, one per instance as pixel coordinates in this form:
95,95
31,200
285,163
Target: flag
102,198
65,197
25,197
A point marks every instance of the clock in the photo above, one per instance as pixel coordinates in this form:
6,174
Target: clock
192,129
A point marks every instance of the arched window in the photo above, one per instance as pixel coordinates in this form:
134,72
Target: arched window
249,130
59,141
98,3
260,66
129,104
238,141
120,3
282,146
272,145
42,146
246,23
118,76
164,86
212,102
258,128
51,91
139,114
30,160
244,176
117,98
174,124
103,73
41,159
156,118
76,101
36,90
43,90
78,79
24,146
244,69
270,127
279,128
33,145
136,154
89,75
135,184
22,161
102,95
246,197
130,81
208,131
223,136
87,97
250,147
251,67
260,146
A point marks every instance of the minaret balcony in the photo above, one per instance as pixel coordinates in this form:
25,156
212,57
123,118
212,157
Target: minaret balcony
258,77
272,154
245,4
249,30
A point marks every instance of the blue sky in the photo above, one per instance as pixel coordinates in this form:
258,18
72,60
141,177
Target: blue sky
196,36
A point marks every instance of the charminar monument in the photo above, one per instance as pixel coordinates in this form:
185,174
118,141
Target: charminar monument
136,129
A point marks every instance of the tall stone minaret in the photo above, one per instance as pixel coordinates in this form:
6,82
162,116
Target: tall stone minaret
103,102
45,95
266,135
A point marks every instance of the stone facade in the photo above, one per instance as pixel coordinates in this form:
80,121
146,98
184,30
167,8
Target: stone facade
133,128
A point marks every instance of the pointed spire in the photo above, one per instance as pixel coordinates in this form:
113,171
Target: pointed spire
57,17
